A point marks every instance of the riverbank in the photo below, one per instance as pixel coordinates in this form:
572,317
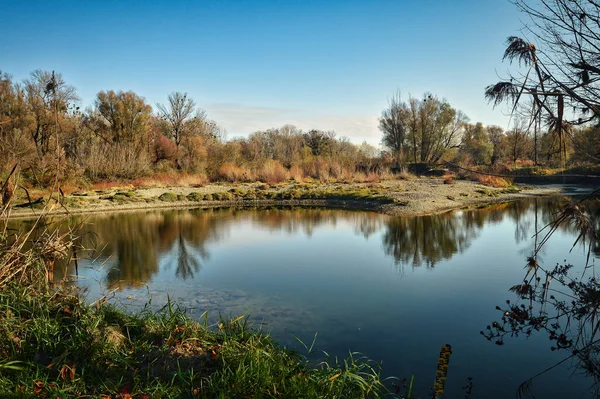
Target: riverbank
53,344
393,197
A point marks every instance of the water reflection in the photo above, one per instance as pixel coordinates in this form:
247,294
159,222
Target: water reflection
428,240
425,241
131,245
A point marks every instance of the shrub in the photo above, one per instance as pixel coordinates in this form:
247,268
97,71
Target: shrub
236,192
232,173
272,172
297,174
168,197
227,197
250,195
195,196
492,181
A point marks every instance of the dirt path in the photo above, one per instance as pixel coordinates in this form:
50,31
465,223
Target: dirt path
406,197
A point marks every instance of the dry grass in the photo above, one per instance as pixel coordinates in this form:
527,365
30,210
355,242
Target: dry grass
492,181
448,179
162,179
405,175
105,185
524,163
371,178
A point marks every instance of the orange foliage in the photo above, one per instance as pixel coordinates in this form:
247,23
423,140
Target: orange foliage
272,172
233,173
492,181
297,174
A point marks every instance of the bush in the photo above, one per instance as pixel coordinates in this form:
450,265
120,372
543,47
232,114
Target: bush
493,181
272,172
195,196
164,149
297,174
168,197
232,173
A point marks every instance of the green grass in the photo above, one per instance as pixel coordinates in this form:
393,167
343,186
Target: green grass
168,197
194,196
54,345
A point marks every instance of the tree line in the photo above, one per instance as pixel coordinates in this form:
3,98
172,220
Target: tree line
428,130
121,136
44,130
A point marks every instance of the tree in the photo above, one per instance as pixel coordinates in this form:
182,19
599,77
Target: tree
421,130
179,110
15,120
517,142
121,117
48,98
498,140
562,72
394,125
476,143
320,143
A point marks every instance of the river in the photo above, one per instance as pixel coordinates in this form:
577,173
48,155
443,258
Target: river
393,289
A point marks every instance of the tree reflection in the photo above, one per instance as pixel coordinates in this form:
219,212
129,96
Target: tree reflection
561,301
133,244
426,240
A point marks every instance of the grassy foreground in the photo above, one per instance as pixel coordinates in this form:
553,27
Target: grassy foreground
54,345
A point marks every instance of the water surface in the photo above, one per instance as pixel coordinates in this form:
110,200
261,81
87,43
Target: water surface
393,288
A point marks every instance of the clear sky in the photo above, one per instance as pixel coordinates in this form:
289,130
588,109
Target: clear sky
329,65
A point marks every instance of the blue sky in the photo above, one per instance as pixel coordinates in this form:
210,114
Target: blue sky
253,65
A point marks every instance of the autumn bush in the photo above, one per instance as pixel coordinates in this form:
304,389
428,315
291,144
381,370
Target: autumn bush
232,173
272,172
164,149
317,168
492,181
296,173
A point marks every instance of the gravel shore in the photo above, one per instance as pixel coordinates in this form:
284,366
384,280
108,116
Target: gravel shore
410,197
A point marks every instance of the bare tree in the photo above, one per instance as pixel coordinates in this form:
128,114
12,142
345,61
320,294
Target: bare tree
562,72
179,109
393,124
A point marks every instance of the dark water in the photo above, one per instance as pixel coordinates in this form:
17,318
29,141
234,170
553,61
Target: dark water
394,289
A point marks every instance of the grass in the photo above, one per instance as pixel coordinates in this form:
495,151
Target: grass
54,345
168,197
291,192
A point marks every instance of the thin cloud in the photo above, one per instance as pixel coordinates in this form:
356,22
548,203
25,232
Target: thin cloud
240,120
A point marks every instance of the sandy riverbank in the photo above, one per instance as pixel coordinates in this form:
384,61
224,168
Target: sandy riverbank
405,197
